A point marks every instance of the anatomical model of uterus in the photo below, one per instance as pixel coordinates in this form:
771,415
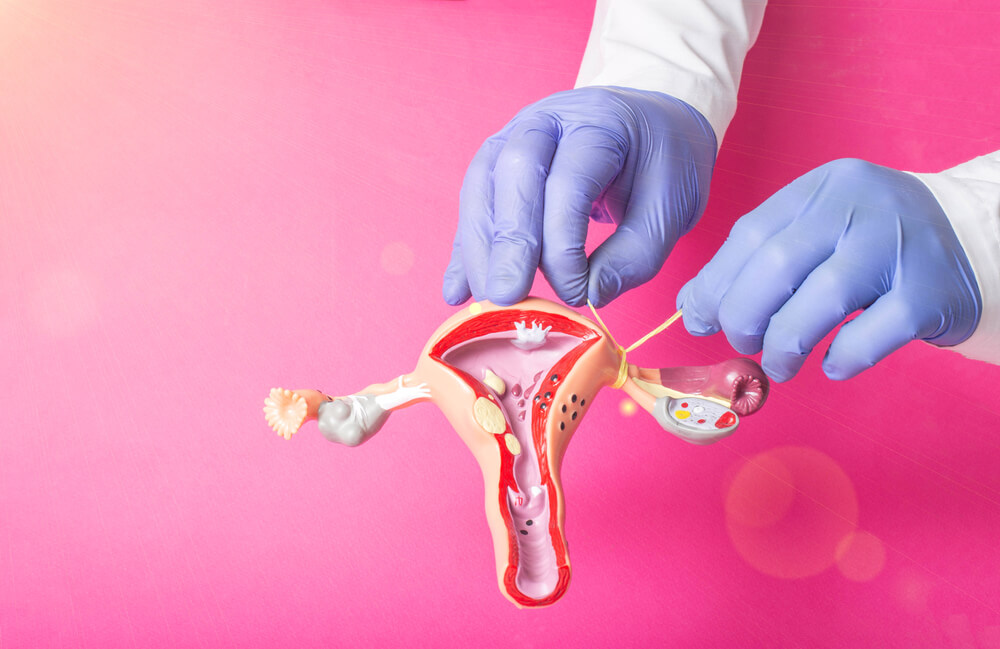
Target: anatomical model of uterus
515,382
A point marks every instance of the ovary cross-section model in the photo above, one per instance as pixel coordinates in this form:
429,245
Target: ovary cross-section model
515,382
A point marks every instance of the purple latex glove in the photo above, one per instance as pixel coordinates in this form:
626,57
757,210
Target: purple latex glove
637,158
846,236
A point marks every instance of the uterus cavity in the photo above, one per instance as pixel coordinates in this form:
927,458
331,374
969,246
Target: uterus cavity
528,364
515,383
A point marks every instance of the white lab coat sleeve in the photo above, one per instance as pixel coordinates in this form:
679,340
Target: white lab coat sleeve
690,49
970,197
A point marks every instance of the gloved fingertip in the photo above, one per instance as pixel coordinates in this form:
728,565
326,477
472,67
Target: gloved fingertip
455,284
505,291
455,289
570,287
837,373
575,299
455,299
777,371
604,287
695,320
748,345
682,295
505,299
838,368
695,324
696,328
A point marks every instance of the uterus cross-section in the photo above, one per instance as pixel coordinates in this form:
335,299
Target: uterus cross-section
515,383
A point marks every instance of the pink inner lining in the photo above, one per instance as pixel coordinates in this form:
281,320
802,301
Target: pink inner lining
524,374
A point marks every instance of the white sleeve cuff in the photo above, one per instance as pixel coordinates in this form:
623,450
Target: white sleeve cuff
969,194
690,49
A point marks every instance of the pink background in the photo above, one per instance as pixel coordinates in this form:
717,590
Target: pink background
203,199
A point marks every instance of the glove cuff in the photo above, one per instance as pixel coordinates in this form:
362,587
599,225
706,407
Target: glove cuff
969,195
700,92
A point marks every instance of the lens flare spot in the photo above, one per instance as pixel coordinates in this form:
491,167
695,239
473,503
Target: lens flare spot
788,509
397,258
860,556
761,494
627,407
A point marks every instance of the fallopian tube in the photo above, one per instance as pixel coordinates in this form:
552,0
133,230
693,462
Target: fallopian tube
515,382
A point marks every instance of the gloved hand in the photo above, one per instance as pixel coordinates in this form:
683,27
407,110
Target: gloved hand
848,235
637,158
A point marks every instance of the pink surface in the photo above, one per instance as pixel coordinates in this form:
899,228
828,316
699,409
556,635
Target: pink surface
202,200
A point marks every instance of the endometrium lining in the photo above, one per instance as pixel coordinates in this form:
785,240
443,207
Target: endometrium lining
523,376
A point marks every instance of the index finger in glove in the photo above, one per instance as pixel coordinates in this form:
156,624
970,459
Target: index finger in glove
585,163
519,178
475,222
